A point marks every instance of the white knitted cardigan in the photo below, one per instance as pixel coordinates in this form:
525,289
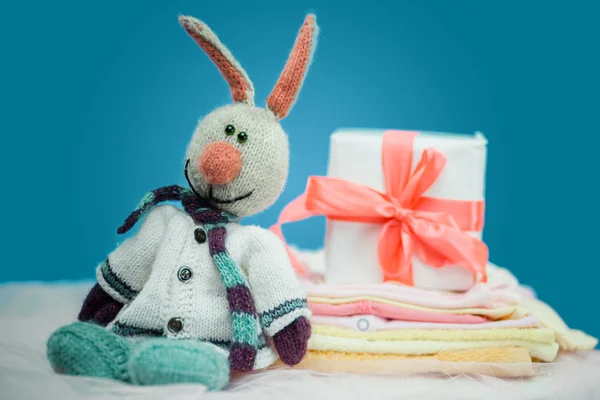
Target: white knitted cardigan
148,274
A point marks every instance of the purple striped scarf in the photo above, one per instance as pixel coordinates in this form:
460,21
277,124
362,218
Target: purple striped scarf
247,334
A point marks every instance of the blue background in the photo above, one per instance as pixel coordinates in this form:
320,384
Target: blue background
99,100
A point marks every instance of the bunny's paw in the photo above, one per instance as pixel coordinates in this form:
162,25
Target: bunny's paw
292,342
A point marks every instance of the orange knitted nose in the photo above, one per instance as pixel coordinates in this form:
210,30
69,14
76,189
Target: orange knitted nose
220,163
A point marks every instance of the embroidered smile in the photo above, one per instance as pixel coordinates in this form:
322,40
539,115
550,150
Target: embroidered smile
210,197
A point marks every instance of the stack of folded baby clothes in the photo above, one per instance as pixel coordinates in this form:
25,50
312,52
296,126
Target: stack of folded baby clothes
406,283
498,328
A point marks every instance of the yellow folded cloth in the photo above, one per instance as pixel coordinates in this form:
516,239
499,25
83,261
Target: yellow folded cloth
496,361
491,313
568,339
492,354
539,335
543,351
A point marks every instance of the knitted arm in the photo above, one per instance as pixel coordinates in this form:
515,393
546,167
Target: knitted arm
279,298
278,295
125,271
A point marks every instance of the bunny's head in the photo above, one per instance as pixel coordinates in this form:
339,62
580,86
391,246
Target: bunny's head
238,157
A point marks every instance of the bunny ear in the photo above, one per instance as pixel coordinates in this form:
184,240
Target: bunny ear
284,94
242,89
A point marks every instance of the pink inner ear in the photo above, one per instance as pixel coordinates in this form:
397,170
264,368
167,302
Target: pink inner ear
237,83
287,87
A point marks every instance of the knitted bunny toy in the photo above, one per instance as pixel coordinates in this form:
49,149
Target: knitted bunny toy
194,295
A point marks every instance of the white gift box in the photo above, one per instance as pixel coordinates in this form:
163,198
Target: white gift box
351,248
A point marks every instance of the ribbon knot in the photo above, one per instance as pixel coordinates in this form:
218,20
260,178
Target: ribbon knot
393,211
400,213
434,230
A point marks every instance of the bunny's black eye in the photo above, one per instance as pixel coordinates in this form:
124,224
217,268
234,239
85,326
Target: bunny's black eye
229,130
242,137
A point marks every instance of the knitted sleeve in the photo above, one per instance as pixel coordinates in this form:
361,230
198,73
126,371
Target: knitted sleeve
125,271
278,295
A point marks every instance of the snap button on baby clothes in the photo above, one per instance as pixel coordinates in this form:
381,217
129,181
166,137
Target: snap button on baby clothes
184,274
175,325
363,324
200,235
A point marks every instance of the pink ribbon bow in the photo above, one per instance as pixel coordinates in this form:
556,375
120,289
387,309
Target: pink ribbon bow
434,230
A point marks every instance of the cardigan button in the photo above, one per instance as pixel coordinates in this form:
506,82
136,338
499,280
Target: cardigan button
200,235
175,325
184,274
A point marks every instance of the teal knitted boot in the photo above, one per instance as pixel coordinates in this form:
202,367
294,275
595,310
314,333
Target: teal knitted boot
165,361
88,350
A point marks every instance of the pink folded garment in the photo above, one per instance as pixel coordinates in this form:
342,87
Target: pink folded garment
479,296
372,323
392,312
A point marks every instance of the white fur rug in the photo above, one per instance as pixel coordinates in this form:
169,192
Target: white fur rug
30,312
